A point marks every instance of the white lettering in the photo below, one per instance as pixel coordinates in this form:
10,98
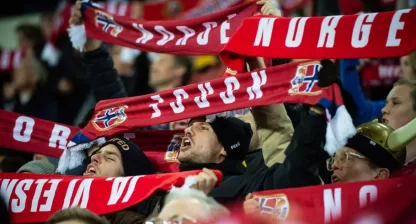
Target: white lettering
132,186
20,121
188,32
224,27
59,133
156,112
49,194
327,34
395,25
7,188
332,205
388,71
83,191
178,106
254,91
365,192
167,35
202,101
232,84
202,38
147,35
264,32
291,39
38,191
363,30
22,186
117,189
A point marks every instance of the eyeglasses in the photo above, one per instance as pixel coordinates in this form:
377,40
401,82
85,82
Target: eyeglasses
343,159
177,219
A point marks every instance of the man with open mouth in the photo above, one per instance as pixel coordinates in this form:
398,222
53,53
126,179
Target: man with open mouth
366,156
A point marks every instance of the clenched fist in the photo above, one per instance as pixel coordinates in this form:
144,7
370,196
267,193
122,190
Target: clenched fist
206,181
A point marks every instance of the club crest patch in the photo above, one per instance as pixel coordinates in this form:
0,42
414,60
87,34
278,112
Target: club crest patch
106,22
306,80
277,206
110,118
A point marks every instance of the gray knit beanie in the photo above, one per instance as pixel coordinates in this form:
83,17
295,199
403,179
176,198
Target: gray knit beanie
38,167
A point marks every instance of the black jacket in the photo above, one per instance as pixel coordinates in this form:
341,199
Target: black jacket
296,171
104,79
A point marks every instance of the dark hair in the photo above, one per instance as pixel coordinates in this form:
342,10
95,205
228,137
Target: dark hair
78,214
186,62
412,84
35,35
31,32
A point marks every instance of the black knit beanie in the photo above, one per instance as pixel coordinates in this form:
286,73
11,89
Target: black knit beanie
135,162
234,135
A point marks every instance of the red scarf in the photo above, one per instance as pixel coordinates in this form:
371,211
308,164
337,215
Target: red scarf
201,35
9,59
345,202
263,87
34,198
34,135
387,34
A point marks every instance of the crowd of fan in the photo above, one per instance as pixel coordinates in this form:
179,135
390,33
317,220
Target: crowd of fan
281,144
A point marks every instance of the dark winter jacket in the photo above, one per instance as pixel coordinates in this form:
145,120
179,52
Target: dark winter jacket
296,171
104,79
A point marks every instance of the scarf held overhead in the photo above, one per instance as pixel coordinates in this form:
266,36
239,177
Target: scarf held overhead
202,35
374,35
34,198
34,135
290,83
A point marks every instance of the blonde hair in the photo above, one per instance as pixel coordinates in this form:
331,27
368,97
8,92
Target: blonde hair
412,84
214,209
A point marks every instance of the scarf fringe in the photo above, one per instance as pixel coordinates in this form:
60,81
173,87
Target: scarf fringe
128,55
73,156
340,128
78,36
189,181
50,54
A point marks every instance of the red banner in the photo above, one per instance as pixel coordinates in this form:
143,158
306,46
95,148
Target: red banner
380,73
263,87
343,203
34,135
34,198
375,35
201,35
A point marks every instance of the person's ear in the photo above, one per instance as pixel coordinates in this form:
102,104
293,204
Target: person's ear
223,152
383,173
